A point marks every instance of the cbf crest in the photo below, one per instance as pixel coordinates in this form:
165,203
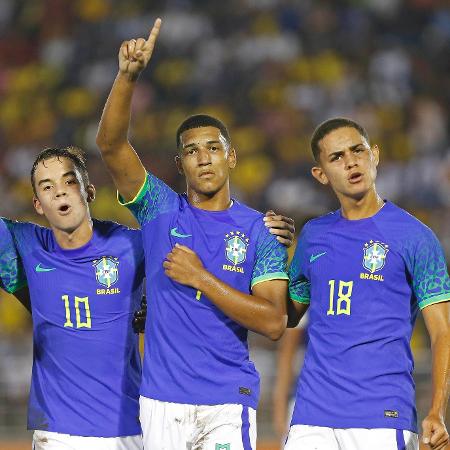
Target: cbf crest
236,244
107,270
375,255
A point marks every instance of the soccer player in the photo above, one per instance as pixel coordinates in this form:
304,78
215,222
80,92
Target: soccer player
213,272
364,271
85,278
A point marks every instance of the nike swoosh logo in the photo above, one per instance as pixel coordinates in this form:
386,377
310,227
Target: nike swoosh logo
44,269
175,233
314,257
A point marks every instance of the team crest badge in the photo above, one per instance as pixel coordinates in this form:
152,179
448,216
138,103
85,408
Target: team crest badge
236,244
106,270
374,256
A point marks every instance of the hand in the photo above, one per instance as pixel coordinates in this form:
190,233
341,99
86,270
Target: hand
140,316
135,54
183,265
435,434
282,227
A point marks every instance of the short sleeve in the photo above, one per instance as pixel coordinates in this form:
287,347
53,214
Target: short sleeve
299,285
270,259
428,269
12,274
155,197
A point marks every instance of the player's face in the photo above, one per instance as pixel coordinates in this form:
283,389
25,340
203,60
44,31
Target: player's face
347,163
61,195
205,159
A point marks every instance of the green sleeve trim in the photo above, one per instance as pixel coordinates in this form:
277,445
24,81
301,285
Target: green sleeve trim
137,197
296,298
437,299
17,287
269,277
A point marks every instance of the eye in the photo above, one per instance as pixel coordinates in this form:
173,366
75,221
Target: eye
46,187
71,181
214,148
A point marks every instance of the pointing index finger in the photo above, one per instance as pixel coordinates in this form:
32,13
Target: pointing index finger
154,32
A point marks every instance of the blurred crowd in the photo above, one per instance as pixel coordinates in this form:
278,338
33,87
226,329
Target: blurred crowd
271,69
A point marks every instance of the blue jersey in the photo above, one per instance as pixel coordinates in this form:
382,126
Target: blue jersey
365,281
194,353
12,275
86,363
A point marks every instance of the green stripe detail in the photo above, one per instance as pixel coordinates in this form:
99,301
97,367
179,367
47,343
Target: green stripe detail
16,287
296,298
137,197
269,277
437,299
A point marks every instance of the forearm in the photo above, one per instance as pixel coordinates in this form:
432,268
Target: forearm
115,120
440,373
251,311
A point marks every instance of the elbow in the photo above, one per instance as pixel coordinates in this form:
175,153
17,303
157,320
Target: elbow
277,328
106,145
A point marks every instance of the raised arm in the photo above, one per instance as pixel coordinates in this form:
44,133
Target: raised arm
437,321
119,156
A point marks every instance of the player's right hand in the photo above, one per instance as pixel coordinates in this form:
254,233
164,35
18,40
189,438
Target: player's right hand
135,54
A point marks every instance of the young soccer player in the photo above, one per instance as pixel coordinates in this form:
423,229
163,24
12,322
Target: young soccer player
213,272
85,279
364,271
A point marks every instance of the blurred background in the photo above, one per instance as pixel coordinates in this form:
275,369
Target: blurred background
271,70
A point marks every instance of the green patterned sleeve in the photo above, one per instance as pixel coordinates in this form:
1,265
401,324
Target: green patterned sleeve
270,259
299,285
12,274
427,266
154,198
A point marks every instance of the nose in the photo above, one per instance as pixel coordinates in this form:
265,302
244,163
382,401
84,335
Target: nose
60,191
350,160
203,156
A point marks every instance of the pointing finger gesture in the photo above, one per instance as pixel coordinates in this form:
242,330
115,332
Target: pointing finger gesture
135,54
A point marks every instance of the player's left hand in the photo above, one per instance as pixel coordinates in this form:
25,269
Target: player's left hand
140,316
183,265
282,227
435,434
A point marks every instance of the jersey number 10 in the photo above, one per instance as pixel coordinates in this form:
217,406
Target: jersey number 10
343,302
87,312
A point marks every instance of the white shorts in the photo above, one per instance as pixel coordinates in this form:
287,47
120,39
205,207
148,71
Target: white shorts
177,426
306,437
48,440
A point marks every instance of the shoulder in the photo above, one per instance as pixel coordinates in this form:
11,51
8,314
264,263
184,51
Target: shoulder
108,229
24,229
319,225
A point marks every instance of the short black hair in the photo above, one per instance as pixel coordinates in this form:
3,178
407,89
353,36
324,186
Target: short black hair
199,121
330,125
75,154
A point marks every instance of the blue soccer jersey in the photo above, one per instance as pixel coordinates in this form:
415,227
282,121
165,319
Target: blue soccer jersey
12,275
365,281
194,353
86,363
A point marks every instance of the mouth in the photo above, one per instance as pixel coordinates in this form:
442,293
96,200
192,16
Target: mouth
355,177
207,174
64,209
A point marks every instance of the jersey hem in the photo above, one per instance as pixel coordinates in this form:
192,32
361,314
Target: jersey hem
296,298
437,299
270,277
87,435
137,197
16,288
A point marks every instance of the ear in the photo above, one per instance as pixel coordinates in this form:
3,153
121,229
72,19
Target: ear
232,159
376,154
37,205
318,173
90,190
179,164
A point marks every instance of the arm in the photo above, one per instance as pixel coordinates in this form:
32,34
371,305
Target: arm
281,226
437,321
263,311
284,378
119,156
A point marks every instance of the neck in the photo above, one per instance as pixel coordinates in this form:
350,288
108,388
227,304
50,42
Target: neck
73,239
367,206
218,201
